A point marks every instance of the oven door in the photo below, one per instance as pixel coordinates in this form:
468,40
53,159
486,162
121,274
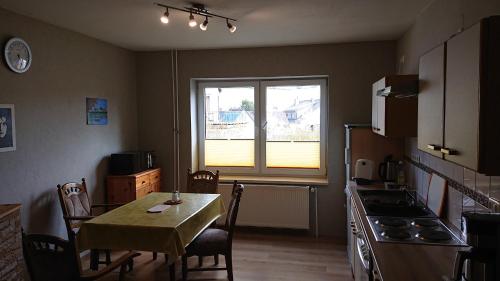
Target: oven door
362,261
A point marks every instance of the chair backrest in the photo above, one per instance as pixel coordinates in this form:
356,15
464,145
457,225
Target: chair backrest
232,212
74,201
50,258
202,182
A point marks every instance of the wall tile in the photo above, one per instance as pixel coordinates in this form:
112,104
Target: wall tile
458,174
483,184
454,207
469,179
495,188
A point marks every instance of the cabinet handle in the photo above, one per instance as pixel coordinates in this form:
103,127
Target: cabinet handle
448,151
434,147
143,182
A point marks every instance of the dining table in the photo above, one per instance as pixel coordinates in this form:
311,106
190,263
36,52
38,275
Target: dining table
133,227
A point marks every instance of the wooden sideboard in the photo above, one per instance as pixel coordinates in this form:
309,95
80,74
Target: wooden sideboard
127,188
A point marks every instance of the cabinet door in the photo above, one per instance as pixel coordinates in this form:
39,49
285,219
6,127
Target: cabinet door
374,108
431,101
381,115
462,98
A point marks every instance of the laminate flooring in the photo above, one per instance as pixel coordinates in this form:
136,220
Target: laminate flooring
259,257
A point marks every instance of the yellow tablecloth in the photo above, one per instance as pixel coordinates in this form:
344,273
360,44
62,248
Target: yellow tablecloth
131,227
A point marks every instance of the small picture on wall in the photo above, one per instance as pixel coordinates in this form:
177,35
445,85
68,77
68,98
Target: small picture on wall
97,111
7,128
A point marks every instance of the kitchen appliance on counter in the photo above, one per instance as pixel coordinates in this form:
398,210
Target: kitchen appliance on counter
131,162
429,231
388,169
482,261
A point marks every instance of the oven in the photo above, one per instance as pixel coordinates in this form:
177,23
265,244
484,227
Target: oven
362,255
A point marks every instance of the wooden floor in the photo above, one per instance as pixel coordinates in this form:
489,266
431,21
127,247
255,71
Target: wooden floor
262,257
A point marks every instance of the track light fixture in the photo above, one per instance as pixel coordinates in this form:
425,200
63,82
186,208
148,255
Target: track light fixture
192,21
231,27
164,18
196,9
204,25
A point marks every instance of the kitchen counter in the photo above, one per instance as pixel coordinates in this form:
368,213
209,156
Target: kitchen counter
408,262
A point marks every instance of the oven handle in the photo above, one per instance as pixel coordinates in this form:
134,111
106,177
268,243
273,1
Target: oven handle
363,252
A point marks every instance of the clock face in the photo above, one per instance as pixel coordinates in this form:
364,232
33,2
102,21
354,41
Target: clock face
18,55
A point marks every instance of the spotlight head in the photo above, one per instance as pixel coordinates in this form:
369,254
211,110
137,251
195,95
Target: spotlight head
164,18
231,27
204,25
192,21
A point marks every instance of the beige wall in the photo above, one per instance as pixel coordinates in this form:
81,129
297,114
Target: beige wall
352,68
54,144
436,24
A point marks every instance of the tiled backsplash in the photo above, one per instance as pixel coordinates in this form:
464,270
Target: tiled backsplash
467,190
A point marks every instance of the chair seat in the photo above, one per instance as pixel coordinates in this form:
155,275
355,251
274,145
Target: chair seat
210,242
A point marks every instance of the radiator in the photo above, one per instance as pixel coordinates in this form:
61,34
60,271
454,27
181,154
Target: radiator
270,206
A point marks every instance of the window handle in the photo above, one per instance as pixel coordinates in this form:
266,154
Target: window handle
264,126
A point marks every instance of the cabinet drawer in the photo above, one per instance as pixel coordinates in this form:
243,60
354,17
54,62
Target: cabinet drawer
141,181
141,192
154,176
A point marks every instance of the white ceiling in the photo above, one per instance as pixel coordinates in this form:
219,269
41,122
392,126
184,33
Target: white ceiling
135,24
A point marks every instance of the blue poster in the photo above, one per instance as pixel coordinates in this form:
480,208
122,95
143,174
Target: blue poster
97,111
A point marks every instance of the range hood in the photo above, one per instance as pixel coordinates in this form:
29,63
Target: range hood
399,86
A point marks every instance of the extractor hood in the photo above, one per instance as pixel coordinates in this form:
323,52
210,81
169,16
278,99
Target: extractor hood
399,86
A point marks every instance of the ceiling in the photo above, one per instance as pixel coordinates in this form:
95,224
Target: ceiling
135,24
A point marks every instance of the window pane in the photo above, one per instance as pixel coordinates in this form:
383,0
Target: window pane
293,116
229,127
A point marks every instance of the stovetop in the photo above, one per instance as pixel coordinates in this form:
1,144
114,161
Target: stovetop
429,231
398,203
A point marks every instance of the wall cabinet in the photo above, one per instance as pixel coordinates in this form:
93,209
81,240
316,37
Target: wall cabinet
470,97
393,116
431,101
127,188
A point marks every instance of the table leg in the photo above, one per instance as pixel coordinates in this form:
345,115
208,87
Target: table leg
171,269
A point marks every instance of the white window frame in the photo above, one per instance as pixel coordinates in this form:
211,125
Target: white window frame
201,125
293,171
260,85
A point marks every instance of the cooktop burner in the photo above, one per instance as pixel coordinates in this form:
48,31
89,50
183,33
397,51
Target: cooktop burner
434,235
397,234
428,231
391,222
424,223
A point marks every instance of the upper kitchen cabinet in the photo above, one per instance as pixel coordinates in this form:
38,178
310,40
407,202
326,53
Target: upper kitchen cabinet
431,101
472,103
394,106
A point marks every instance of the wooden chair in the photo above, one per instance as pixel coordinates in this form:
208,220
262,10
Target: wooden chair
52,258
216,241
202,182
76,208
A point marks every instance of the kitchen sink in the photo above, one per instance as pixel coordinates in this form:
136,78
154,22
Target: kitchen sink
394,203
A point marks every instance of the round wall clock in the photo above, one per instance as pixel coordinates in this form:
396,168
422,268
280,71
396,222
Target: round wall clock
18,55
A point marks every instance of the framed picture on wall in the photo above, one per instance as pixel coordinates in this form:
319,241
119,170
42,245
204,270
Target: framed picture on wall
7,128
97,111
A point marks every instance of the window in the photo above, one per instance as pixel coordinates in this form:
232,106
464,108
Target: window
272,127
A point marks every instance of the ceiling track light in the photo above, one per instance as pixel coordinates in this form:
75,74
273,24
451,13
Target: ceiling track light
204,25
230,26
164,18
200,10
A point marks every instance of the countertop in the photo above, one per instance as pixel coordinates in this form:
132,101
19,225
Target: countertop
408,262
7,209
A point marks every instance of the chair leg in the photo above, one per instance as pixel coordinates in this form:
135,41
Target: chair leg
94,260
108,257
216,259
130,265
229,266
155,255
184,268
200,261
123,269
171,270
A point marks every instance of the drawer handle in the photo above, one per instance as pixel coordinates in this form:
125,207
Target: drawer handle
434,147
143,182
448,151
